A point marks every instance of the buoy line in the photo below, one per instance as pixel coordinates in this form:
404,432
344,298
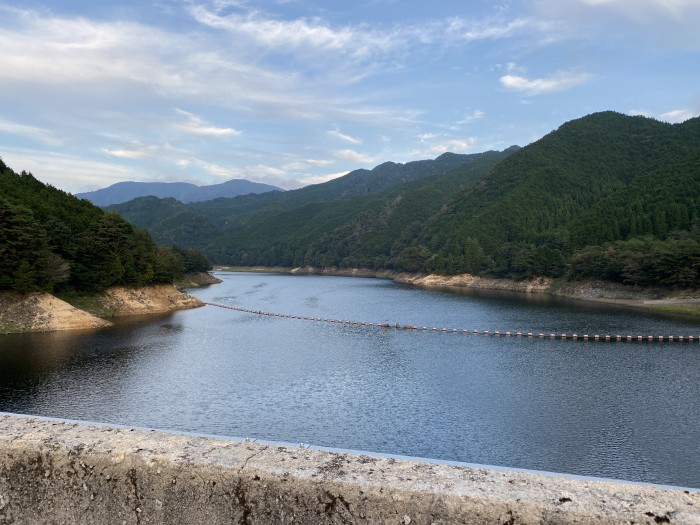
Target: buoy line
465,331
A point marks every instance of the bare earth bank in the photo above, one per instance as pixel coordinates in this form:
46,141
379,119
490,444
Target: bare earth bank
42,312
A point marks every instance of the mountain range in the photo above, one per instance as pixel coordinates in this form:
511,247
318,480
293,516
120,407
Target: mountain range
608,196
182,191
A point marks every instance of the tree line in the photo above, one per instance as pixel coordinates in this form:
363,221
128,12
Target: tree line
52,241
606,196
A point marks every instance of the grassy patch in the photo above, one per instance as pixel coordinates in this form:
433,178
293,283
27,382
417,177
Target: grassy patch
90,303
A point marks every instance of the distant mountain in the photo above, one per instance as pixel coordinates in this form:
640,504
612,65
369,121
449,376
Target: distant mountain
607,196
263,222
181,191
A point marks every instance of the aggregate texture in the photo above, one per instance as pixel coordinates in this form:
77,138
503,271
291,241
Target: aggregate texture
55,472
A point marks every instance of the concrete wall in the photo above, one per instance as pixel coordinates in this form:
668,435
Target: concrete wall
61,472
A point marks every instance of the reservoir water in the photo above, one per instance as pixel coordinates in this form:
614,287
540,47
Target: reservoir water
618,410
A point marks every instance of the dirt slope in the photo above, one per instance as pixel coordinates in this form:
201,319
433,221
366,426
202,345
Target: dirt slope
42,312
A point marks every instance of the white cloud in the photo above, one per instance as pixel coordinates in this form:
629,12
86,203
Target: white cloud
304,164
355,156
318,179
318,162
218,171
679,115
654,23
477,114
32,132
559,81
454,145
643,9
360,43
69,172
84,61
196,126
342,136
640,113
262,169
673,116
491,29
298,35
135,152
426,136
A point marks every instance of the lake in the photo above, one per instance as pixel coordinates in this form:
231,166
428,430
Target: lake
625,410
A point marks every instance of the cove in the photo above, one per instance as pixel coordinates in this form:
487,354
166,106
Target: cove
616,410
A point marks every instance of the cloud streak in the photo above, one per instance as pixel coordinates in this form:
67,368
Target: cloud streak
136,152
342,136
32,132
559,81
196,126
454,145
664,24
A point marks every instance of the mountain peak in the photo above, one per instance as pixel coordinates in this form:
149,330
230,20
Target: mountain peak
182,191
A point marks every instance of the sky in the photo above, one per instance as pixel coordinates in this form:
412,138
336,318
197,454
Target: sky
297,92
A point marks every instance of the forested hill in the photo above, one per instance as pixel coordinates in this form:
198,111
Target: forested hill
606,196
52,241
200,224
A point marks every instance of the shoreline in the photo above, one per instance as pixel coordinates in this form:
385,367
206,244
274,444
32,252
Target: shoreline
44,312
684,303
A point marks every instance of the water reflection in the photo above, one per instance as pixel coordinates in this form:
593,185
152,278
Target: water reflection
602,409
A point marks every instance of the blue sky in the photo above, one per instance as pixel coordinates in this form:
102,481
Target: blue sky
294,92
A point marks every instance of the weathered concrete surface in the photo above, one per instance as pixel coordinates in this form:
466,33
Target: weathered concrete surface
57,472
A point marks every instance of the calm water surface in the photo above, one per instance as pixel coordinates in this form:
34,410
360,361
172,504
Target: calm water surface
619,410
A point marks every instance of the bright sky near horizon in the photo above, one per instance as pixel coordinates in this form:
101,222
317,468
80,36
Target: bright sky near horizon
296,92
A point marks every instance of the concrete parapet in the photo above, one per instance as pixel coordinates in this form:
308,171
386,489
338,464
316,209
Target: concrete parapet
65,472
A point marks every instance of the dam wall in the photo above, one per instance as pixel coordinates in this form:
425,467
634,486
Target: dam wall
54,472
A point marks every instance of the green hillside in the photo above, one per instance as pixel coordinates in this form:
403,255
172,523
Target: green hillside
169,221
606,196
603,178
283,225
52,241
